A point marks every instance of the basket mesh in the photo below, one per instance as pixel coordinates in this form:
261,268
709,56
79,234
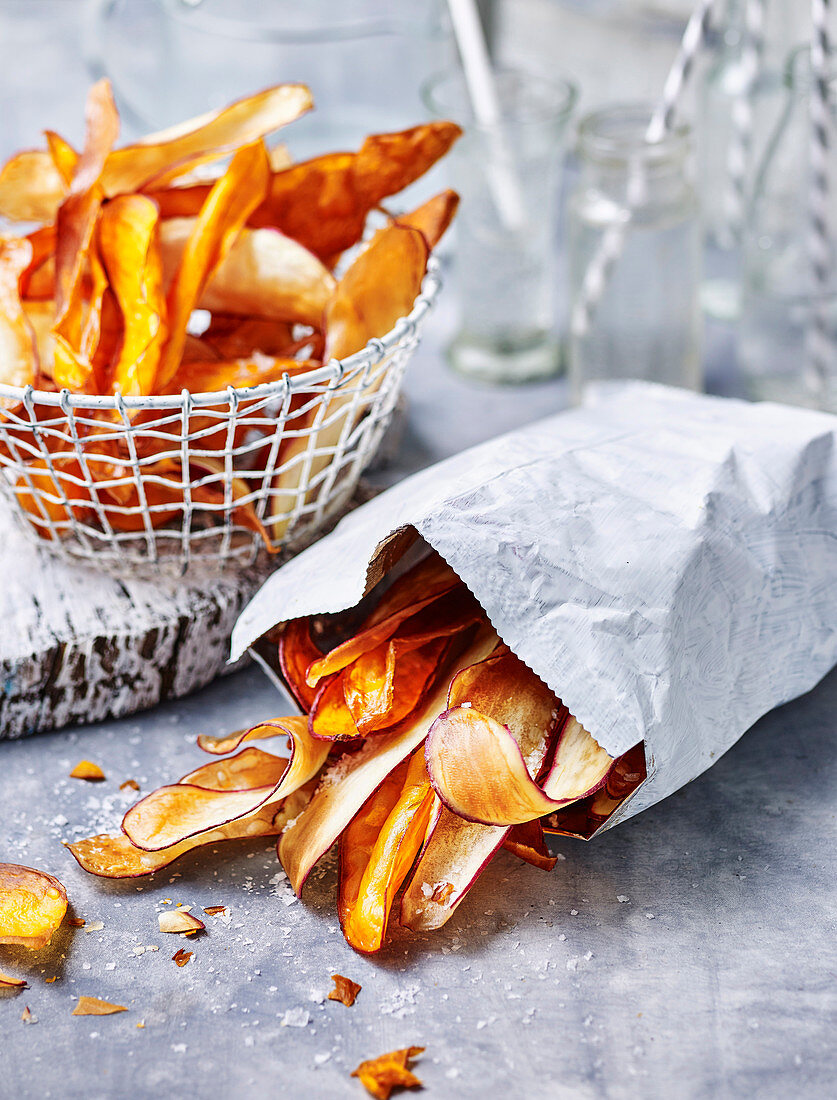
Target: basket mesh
164,484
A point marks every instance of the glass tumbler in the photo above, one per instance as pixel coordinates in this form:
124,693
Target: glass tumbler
634,255
508,177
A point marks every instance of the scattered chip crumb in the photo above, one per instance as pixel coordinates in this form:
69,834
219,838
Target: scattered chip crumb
76,922
86,769
345,990
93,1006
129,785
94,926
379,1076
215,910
180,920
28,1016
181,957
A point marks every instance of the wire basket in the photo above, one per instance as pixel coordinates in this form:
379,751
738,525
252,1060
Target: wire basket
165,484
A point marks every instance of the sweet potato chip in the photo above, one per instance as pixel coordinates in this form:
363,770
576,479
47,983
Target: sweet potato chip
18,347
20,983
384,686
209,377
211,236
116,857
75,225
330,719
31,188
526,841
64,156
86,769
232,337
349,782
379,287
178,920
131,257
345,990
264,274
175,813
412,592
365,905
247,770
182,957
379,1076
323,203
32,905
93,1006
455,853
433,218
490,782
161,157
295,725
297,652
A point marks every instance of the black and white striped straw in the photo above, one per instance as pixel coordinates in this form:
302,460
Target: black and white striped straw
741,138
610,247
820,341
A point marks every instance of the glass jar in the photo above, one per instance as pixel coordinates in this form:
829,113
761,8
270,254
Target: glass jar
635,204
779,296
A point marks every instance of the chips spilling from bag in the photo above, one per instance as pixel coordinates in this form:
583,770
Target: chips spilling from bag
427,747
100,298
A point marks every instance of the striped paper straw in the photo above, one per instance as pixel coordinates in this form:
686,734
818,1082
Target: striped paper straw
819,341
741,138
613,241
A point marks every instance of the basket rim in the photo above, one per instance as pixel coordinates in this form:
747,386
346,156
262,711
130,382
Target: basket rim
335,371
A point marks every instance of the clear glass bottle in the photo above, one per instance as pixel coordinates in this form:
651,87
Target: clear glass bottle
779,296
635,201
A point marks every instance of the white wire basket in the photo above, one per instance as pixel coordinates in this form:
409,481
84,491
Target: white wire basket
159,485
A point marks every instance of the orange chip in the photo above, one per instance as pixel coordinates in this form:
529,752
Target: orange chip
379,287
263,274
181,957
433,218
20,983
32,905
366,897
129,785
131,256
228,205
161,157
345,990
215,910
86,769
92,1006
379,1076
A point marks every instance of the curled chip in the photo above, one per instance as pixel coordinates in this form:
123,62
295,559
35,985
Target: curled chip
20,983
32,905
379,1076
